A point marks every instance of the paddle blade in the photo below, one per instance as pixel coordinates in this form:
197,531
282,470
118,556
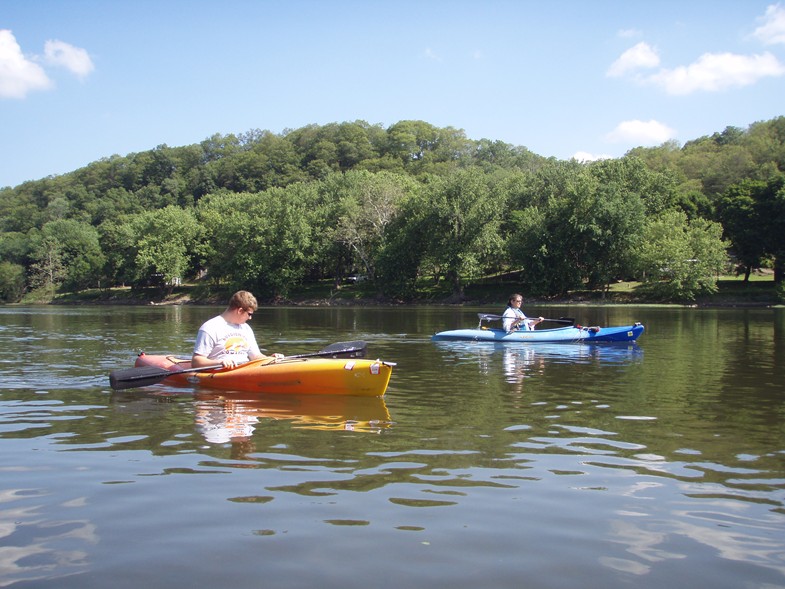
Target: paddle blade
489,317
127,378
355,349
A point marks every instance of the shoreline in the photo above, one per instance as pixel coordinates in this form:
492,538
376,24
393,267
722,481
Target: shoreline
185,299
730,294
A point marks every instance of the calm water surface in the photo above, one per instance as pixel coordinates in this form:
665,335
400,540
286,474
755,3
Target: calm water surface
650,465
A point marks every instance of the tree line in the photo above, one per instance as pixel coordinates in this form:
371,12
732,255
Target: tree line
403,205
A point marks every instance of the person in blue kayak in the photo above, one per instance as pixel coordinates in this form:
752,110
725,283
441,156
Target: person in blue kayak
513,319
227,338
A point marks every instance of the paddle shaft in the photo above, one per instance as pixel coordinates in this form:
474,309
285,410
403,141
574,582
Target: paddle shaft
355,349
569,320
143,376
491,317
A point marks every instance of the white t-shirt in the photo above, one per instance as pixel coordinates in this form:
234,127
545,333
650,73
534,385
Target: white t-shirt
219,424
217,339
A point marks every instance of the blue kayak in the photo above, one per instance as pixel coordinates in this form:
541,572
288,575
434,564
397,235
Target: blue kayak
571,334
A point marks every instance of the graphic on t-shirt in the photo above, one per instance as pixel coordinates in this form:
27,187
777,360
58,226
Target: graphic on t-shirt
236,345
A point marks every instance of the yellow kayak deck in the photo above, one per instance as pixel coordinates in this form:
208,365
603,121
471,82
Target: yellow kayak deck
303,376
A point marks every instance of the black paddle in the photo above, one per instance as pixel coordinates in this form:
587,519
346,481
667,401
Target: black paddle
355,349
570,320
126,378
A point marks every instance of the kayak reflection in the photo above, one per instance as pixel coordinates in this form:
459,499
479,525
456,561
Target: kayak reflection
523,360
223,418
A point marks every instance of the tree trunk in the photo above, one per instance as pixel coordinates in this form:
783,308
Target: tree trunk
457,286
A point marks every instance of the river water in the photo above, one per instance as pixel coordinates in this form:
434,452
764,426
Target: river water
650,465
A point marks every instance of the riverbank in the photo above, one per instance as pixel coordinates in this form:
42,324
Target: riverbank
732,292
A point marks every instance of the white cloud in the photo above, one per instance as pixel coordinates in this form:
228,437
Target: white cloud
431,54
637,57
18,74
584,156
74,59
628,33
711,72
641,133
772,31
717,71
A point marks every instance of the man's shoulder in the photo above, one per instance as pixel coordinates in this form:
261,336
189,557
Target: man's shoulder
214,322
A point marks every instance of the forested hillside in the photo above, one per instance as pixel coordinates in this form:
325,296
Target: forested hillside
400,206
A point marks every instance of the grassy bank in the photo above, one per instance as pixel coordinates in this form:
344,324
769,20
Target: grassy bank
732,291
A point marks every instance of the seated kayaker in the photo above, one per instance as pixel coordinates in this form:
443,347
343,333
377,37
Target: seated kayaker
513,319
227,338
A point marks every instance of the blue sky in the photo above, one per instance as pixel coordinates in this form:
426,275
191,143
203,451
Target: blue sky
85,79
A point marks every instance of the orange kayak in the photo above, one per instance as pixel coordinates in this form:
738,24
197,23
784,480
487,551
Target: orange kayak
303,376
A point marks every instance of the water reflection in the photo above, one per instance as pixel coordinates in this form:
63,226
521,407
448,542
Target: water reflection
33,545
520,360
735,538
223,418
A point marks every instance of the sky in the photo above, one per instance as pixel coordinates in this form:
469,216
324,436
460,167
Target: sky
82,80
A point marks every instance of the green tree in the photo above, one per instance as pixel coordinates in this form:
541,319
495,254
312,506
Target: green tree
336,146
584,231
118,242
12,282
67,254
426,149
260,241
681,259
47,270
771,209
495,155
753,215
740,217
406,250
766,142
166,243
15,247
655,189
269,161
19,211
365,205
282,242
410,141
463,217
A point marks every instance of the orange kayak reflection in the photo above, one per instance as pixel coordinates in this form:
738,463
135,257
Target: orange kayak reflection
227,417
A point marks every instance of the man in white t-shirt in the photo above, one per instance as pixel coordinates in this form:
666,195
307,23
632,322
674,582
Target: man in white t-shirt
227,338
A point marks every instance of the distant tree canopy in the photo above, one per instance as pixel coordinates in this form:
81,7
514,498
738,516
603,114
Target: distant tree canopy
399,205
